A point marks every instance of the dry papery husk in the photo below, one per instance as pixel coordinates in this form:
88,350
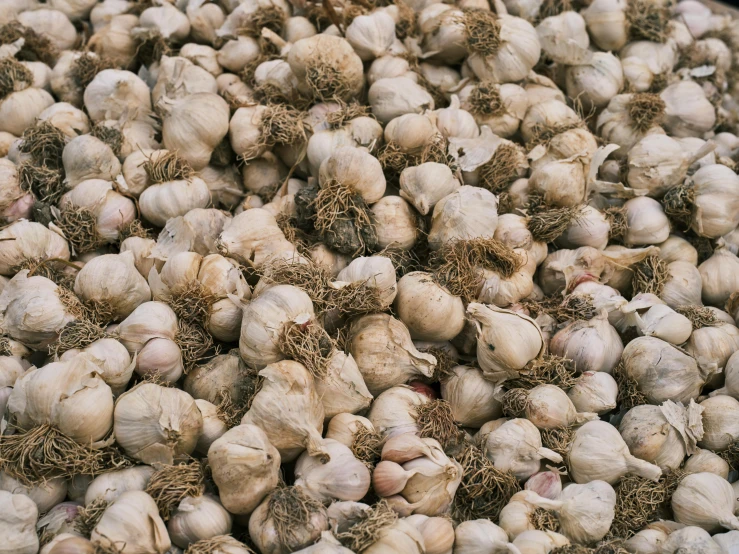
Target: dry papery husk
458,265
170,484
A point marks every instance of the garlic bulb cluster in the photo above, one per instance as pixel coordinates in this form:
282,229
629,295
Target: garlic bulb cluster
407,277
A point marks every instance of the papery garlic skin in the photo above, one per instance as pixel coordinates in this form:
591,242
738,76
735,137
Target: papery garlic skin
428,310
688,113
718,277
46,494
470,396
467,213
515,446
394,411
719,423
26,240
18,515
592,345
343,478
109,486
426,184
594,392
245,467
705,500
716,201
198,518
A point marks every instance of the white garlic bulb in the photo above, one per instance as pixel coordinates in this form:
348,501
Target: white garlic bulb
396,223
371,35
113,360
690,540
688,113
114,92
606,20
719,422
467,213
27,240
599,453
109,486
705,500
18,515
593,345
714,344
683,286
373,272
596,81
594,391
198,518
343,478
515,446
426,184
471,397
394,411
715,201
564,38
429,311
480,535
646,222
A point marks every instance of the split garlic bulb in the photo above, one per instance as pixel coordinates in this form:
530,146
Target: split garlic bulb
599,453
343,478
506,341
594,391
245,467
416,476
706,501
468,213
429,310
29,241
664,372
132,519
289,410
263,321
18,515
384,352
593,345
157,424
471,397
515,446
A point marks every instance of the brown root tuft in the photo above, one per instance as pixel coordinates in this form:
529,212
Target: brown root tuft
281,124
344,219
36,46
647,20
678,205
44,452
575,307
554,7
608,547
76,334
617,221
435,420
271,17
369,527
326,82
310,277
547,370
484,489
150,46
345,113
542,134
367,446
309,344
14,76
195,343
547,223
168,167
88,516
291,510
646,110
699,316
394,159
45,183
482,32
109,135
640,501
51,268
45,143
357,299
218,545
80,227
501,170
192,302
629,394
86,66
558,440
407,25
445,363
134,229
170,484
484,99
515,402
457,265
650,275
544,520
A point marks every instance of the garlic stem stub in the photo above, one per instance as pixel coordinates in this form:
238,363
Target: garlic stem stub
376,277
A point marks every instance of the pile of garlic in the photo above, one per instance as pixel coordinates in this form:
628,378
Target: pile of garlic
340,276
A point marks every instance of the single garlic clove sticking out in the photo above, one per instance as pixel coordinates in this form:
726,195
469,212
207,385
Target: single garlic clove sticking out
705,500
599,453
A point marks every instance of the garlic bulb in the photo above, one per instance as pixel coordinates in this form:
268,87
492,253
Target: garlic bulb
428,310
114,92
594,392
664,372
714,344
606,20
539,542
593,345
718,277
157,424
467,213
646,222
590,228
29,241
689,540
688,113
394,411
548,407
719,423
263,321
715,201
677,249
599,453
416,476
18,515
289,411
499,107
480,535
515,446
426,184
86,157
245,467
506,341
731,384
343,478
384,352
470,397
564,38
214,425
395,223
371,35
113,360
248,233
46,494
705,500
342,389
683,286
198,518
132,519
109,486
545,483
179,77
393,97
372,272
705,460
587,511
596,81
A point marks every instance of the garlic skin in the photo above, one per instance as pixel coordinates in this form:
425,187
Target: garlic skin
396,96
371,35
157,424
606,21
416,476
468,213
545,483
646,222
515,446
593,345
594,392
198,518
429,311
587,511
245,467
343,478
506,340
596,81
373,271
179,77
384,352
478,536
691,540
109,486
289,411
161,202
719,423
470,396
264,318
706,501
683,287
688,113
71,396
213,425
113,360
86,157
548,407
714,344
591,228
133,519
564,38
113,92
27,240
247,233
18,515
395,223
599,453
393,412
664,372
20,109
426,184
731,373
